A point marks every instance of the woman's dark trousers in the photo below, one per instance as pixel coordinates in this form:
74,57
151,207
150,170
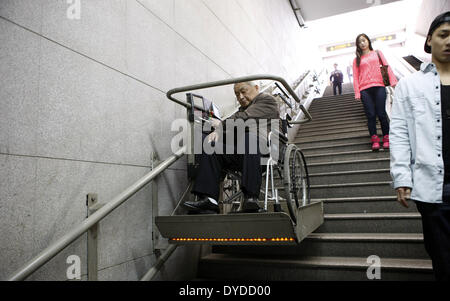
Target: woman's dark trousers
374,102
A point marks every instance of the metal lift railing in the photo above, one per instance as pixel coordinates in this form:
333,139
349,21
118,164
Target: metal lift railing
55,248
239,80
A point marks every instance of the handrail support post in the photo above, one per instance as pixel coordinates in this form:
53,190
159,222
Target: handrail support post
92,238
157,242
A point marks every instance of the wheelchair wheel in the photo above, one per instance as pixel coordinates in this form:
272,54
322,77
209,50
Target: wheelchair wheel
296,180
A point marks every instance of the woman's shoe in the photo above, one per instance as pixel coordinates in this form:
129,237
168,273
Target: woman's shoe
375,143
386,142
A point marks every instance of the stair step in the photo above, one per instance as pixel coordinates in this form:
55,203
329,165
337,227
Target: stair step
313,129
344,94
394,245
348,165
368,237
341,156
317,108
326,141
346,113
372,216
367,198
376,204
224,267
331,105
329,131
333,148
336,123
401,222
348,105
352,189
335,107
319,120
362,133
334,102
352,176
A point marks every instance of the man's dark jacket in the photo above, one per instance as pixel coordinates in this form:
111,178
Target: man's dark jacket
263,106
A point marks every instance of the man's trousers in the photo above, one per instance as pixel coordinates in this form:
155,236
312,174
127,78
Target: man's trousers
436,231
212,166
337,86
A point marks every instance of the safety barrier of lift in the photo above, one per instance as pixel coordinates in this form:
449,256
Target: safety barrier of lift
234,228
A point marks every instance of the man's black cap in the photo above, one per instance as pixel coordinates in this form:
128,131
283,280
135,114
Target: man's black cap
442,18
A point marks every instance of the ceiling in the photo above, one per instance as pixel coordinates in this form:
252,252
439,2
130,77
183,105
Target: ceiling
429,10
317,9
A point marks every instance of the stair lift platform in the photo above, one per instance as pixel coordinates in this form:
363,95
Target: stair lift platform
274,228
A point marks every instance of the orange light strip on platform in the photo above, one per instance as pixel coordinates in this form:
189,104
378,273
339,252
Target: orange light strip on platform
277,239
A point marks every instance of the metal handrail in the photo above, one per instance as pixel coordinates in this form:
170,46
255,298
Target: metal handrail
67,239
235,81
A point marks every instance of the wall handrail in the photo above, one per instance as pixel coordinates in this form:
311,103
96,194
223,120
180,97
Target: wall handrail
212,84
55,248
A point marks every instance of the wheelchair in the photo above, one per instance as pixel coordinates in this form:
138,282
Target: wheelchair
285,173
285,178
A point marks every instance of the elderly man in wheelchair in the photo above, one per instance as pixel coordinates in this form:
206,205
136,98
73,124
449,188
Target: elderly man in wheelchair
237,150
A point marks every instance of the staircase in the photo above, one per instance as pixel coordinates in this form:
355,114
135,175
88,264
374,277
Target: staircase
362,217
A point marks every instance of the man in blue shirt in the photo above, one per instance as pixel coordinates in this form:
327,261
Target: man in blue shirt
420,140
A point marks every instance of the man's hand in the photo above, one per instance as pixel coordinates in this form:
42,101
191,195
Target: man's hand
213,137
403,195
216,123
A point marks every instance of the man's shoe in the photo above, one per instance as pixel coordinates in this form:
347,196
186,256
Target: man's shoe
250,205
202,206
